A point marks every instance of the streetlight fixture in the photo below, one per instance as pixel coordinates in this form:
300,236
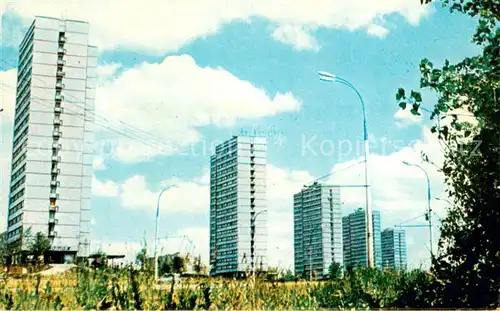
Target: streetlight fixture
156,229
309,251
252,249
429,210
328,77
442,199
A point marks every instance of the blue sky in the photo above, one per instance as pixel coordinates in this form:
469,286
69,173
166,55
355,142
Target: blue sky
185,85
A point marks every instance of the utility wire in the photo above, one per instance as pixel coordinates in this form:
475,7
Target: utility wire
103,124
335,172
143,135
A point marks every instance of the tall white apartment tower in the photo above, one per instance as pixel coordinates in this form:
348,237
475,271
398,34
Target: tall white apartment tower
52,151
238,218
317,230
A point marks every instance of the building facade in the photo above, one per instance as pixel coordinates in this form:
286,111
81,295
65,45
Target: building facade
317,230
52,151
238,218
354,239
394,249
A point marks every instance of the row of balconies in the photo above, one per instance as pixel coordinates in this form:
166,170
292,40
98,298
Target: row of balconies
56,135
55,171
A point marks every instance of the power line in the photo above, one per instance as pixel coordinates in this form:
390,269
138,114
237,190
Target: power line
106,125
127,127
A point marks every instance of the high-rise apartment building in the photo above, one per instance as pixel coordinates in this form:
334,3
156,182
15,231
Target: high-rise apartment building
238,218
317,230
394,249
52,151
354,239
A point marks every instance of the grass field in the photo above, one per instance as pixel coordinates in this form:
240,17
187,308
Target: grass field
129,289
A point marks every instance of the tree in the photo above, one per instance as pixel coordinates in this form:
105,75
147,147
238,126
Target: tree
467,266
5,250
100,260
198,266
165,265
178,264
289,276
143,260
335,271
38,246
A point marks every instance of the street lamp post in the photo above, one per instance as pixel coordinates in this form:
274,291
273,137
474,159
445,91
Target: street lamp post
445,200
429,210
309,251
252,249
328,77
156,229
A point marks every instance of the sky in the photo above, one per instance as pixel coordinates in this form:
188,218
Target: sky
176,78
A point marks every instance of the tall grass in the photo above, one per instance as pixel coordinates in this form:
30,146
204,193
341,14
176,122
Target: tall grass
127,289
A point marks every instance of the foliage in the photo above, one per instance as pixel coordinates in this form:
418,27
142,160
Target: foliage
467,266
38,246
174,264
130,289
179,264
198,266
5,250
164,265
146,263
334,271
100,260
289,276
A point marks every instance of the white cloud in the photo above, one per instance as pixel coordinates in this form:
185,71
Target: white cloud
104,189
135,193
399,192
152,22
108,70
405,118
98,163
377,30
183,97
300,38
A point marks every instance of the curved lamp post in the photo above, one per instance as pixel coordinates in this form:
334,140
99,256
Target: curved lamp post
328,77
445,200
252,255
429,210
156,228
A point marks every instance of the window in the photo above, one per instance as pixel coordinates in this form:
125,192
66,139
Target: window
18,184
17,207
15,220
17,196
18,161
19,172
19,139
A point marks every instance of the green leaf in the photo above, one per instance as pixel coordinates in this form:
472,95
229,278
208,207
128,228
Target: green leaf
400,94
434,129
416,96
445,132
402,105
467,133
415,112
